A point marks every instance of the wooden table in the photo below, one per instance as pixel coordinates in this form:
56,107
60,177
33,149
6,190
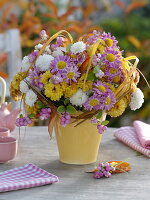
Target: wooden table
35,147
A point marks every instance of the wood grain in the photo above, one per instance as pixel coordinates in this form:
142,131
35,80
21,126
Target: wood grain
36,147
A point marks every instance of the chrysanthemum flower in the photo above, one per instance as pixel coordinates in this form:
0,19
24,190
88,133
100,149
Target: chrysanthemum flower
35,78
92,103
137,99
87,86
43,62
45,78
54,92
60,63
78,47
30,98
23,87
57,78
25,64
34,109
69,90
118,108
79,98
59,51
100,88
110,41
109,101
71,74
17,79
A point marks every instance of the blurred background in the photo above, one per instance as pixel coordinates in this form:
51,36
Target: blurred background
127,20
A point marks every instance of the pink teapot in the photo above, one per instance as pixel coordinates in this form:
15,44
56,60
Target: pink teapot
7,115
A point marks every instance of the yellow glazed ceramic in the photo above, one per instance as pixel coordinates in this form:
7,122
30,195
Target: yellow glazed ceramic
77,145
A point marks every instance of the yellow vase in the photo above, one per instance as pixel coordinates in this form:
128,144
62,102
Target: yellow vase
77,145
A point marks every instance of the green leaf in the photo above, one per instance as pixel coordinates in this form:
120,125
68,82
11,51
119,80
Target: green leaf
40,104
21,115
96,69
91,76
66,101
61,109
99,115
71,109
31,115
105,122
68,47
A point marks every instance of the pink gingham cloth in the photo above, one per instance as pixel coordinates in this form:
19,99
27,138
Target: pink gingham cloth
128,136
143,133
26,176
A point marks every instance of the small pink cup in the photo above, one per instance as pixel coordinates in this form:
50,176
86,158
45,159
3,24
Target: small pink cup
4,132
8,149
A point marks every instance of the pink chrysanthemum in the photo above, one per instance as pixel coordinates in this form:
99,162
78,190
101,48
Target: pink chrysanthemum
35,78
100,88
60,63
72,74
93,103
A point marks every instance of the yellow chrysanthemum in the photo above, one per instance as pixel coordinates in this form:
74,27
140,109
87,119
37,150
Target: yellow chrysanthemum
118,108
15,86
46,77
16,80
111,87
70,90
31,110
54,92
88,84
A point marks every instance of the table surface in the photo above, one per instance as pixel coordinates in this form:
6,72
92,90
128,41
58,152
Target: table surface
36,147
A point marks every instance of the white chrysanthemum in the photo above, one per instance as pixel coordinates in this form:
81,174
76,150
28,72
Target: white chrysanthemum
38,46
78,47
99,74
31,98
79,98
137,99
43,62
47,50
59,51
25,64
23,87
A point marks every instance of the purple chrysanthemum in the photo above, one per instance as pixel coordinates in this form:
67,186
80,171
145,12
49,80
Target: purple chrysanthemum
23,121
109,40
57,78
59,42
100,88
71,74
32,56
93,38
45,113
110,100
65,119
111,57
93,103
60,63
35,77
96,59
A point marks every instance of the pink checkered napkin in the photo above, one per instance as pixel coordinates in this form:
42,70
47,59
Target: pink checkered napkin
128,136
26,176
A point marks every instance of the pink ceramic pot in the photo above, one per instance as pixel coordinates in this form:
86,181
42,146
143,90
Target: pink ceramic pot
8,149
4,132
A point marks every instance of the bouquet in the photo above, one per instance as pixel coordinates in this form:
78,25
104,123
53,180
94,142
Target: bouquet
78,80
